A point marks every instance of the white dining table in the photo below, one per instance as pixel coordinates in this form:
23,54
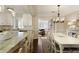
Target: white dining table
64,40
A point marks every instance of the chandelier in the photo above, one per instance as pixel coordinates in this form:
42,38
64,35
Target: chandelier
58,19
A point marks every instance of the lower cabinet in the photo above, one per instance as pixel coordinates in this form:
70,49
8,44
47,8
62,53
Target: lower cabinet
35,45
27,47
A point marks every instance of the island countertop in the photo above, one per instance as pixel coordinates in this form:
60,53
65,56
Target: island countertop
10,43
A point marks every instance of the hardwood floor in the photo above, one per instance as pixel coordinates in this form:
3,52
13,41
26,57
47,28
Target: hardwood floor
40,49
43,45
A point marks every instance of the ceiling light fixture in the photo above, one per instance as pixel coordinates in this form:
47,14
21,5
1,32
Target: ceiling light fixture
11,10
58,19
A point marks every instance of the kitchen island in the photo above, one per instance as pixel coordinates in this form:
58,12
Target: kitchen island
15,41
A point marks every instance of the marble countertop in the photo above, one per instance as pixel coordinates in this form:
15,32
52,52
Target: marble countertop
13,39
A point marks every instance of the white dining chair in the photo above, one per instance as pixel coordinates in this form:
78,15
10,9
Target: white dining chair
57,48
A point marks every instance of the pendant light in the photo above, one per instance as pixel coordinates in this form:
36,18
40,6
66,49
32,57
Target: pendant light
58,19
11,10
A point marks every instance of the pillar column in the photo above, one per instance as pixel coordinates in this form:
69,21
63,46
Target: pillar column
35,26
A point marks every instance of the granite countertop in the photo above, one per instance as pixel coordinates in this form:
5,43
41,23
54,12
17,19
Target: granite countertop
11,40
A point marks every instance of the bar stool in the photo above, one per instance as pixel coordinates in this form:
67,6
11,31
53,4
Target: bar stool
20,50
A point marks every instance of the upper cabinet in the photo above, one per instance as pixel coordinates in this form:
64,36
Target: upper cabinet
5,19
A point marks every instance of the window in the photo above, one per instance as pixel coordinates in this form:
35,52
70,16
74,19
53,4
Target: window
25,22
20,24
43,24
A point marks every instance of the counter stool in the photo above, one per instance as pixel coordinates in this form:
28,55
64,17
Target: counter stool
20,50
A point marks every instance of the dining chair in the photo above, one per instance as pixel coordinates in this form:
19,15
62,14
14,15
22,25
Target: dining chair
57,48
45,43
50,40
53,48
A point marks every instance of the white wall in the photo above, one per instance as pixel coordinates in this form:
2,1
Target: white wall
59,27
42,24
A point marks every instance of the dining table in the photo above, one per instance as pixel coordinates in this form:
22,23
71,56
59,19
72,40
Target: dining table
63,40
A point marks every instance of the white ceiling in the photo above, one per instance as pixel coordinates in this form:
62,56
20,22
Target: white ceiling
18,8
51,10
45,10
